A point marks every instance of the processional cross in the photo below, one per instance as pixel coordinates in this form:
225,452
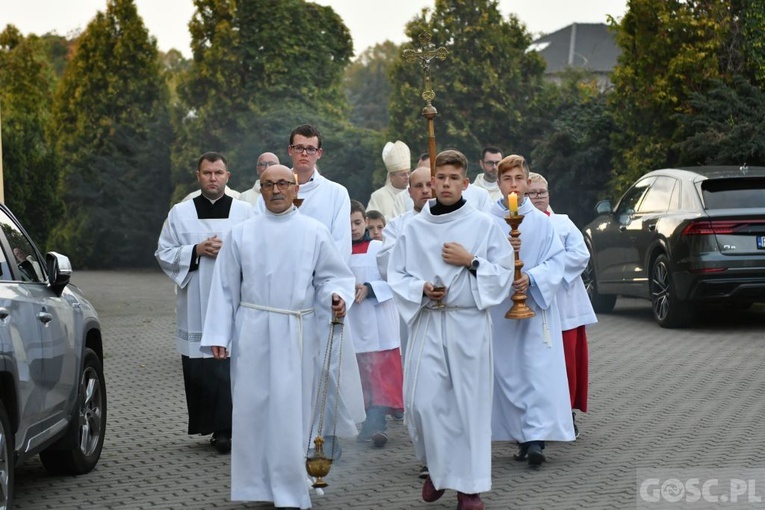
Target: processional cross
424,56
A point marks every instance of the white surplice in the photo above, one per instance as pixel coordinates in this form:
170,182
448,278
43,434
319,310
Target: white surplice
573,304
491,187
181,231
448,375
531,399
264,303
374,321
382,200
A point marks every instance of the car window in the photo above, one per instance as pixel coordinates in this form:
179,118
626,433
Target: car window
629,202
657,198
5,270
30,268
734,193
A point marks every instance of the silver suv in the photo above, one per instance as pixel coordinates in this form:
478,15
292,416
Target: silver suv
52,388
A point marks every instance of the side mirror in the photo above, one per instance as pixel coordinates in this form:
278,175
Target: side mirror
59,271
603,207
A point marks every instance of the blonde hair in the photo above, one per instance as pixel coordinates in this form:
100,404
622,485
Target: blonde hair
534,177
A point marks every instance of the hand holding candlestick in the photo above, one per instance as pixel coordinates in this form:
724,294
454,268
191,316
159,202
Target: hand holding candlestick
520,309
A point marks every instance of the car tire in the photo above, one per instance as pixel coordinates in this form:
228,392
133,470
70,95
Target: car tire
79,450
669,310
601,303
7,459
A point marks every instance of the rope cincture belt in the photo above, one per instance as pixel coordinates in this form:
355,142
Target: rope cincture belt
296,313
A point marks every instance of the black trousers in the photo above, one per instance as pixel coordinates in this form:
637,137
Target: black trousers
208,394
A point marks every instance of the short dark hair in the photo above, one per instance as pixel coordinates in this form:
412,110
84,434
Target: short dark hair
357,206
375,215
212,157
307,130
424,156
454,158
490,149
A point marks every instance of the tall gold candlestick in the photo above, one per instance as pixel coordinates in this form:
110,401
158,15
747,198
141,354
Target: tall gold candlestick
520,309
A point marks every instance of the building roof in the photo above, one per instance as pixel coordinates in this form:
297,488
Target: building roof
580,45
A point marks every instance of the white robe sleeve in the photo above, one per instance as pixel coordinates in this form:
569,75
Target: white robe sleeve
331,274
577,255
407,288
494,276
548,273
174,257
225,296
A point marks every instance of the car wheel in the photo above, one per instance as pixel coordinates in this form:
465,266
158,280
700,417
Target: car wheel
668,310
601,303
78,452
7,460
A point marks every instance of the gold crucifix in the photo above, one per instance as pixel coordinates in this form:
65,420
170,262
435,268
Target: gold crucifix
424,56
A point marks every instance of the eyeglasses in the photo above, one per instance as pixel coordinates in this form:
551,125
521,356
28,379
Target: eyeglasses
302,148
537,194
269,185
491,163
268,163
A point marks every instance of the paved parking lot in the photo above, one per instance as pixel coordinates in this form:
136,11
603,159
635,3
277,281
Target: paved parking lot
677,399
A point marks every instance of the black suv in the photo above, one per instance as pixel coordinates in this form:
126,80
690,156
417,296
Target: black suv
52,388
681,238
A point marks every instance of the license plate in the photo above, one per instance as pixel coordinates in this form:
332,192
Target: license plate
761,242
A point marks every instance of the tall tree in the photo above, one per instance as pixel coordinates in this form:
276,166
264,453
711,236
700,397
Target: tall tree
259,69
111,124
30,166
484,89
368,87
574,153
701,42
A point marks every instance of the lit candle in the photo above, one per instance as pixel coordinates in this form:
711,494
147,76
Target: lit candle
512,203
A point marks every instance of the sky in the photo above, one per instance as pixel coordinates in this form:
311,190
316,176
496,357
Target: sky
370,21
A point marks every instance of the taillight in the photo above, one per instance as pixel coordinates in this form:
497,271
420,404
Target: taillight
708,228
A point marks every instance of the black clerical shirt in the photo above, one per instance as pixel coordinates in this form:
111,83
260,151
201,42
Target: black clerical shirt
208,210
440,208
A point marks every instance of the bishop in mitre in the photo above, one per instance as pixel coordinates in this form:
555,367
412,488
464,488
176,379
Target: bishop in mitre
398,162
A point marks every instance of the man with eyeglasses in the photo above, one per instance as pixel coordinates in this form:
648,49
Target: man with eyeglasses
573,304
397,159
490,158
531,402
265,160
188,247
329,203
264,309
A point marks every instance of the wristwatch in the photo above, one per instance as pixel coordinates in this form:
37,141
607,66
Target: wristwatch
474,264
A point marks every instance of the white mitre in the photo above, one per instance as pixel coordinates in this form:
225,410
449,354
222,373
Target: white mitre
396,156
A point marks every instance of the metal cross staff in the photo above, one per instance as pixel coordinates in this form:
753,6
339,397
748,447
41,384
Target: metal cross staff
424,56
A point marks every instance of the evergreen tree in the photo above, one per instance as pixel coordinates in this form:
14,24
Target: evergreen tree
30,166
259,69
672,50
111,125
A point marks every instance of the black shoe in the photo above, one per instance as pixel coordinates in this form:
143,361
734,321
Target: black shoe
523,449
424,473
576,429
222,441
535,455
397,415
